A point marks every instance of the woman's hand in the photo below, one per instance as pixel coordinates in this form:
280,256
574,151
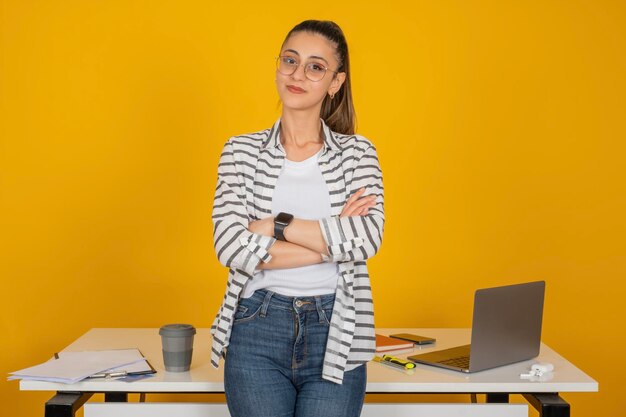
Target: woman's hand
263,227
358,205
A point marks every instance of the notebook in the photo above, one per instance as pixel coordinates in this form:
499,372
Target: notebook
389,344
506,328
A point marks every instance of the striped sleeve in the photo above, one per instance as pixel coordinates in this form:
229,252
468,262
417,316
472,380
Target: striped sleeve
356,238
235,245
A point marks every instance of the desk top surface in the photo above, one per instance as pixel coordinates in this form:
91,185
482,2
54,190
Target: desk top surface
202,377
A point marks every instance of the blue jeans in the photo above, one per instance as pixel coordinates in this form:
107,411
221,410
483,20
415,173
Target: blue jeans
273,365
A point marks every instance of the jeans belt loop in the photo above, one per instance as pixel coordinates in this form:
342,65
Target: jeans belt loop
320,311
266,303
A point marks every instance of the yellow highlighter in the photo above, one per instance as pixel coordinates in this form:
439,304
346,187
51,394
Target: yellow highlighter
398,361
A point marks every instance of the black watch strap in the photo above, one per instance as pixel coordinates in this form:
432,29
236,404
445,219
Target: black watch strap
281,221
279,231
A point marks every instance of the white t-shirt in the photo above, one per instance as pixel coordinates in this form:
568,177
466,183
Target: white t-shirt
301,191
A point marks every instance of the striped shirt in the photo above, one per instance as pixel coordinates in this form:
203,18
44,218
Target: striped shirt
247,174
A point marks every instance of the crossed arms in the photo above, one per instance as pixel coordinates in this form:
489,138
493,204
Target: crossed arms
247,245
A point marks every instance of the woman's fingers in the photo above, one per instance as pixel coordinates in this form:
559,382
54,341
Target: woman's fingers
347,208
355,196
358,206
365,201
352,206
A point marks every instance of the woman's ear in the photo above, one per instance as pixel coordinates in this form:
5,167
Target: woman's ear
336,84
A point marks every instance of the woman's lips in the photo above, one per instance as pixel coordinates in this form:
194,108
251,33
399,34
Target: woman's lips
294,89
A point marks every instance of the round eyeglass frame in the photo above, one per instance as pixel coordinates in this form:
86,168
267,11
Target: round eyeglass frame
295,68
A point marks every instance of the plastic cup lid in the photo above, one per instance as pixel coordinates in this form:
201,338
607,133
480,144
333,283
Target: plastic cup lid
177,330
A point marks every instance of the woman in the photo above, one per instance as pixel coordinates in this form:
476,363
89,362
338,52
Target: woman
298,209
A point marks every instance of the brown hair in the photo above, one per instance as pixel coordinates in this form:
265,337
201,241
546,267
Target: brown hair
338,112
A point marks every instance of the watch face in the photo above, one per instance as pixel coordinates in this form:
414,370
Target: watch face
284,218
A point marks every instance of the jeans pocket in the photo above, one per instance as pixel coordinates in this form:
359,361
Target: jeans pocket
246,313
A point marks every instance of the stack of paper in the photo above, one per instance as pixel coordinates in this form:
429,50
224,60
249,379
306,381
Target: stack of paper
71,367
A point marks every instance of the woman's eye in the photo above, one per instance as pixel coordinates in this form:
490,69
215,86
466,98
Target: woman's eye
289,61
317,67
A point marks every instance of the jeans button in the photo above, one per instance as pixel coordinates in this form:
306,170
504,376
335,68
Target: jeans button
298,303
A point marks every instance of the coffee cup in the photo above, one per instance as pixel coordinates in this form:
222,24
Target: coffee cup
177,342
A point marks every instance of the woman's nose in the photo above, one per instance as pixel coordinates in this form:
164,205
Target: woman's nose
299,74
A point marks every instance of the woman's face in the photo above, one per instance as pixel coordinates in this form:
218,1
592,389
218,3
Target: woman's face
296,91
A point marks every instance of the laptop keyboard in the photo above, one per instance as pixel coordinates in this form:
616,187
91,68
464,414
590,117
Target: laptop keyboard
459,362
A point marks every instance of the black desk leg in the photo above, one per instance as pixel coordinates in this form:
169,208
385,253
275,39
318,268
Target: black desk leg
497,398
115,397
65,404
548,405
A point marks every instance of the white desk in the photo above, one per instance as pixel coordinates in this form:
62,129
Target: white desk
203,378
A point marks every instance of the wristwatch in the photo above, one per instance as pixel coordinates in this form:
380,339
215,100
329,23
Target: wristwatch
281,221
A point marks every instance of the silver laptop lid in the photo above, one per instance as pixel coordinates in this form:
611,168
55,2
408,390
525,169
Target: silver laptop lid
506,326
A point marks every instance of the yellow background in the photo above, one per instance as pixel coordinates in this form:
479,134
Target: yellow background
499,125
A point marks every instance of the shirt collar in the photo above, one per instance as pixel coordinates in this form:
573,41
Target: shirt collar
330,139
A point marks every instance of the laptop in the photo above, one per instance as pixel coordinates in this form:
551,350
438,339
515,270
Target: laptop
506,328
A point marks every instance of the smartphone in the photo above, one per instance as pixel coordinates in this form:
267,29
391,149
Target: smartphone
418,340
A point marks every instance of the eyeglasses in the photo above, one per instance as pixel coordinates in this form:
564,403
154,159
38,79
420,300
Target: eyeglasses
314,71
